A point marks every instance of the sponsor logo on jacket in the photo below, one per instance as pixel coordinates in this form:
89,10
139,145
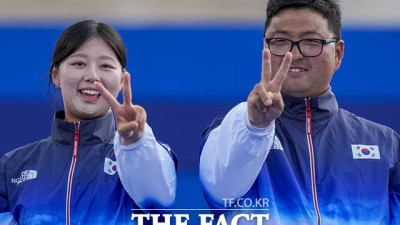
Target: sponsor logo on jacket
365,152
110,167
25,175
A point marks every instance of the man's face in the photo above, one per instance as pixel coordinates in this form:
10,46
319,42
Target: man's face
307,76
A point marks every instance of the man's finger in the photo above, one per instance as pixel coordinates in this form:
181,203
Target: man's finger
266,67
276,83
111,100
263,94
127,91
260,106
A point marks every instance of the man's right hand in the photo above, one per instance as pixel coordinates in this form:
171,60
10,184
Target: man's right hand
265,103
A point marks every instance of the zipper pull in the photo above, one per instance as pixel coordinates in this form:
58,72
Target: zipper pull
308,111
76,139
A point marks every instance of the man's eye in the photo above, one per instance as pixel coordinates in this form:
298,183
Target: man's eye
280,42
312,42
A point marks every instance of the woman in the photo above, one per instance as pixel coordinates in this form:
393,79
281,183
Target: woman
86,173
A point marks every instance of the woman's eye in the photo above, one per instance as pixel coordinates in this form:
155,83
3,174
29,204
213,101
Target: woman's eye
106,66
78,64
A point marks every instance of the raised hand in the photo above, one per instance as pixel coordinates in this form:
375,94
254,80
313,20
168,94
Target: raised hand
264,103
130,118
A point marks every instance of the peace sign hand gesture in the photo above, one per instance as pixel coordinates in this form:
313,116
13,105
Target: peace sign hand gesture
265,103
130,118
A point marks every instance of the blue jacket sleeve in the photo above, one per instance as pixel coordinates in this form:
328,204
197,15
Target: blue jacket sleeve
394,183
4,206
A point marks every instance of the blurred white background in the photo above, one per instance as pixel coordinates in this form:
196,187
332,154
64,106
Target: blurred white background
137,12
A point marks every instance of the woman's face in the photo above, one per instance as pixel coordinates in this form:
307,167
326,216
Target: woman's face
92,61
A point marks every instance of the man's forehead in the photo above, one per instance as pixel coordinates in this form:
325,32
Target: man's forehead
299,23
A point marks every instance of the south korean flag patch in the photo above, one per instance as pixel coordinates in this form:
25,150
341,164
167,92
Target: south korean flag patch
365,152
110,167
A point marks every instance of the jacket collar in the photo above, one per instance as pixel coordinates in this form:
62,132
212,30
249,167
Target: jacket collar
90,132
322,107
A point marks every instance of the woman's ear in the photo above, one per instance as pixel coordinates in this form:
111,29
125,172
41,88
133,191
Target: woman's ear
55,77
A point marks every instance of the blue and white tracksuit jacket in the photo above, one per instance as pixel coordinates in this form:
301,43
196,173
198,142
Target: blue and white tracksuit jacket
79,176
326,166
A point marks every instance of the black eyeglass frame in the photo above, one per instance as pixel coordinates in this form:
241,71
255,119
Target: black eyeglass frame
297,43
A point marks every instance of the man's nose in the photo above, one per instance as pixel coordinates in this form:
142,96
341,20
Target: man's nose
296,52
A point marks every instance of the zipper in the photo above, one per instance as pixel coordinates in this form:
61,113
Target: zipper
71,172
312,164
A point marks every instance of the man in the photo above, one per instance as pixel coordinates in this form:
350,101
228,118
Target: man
313,162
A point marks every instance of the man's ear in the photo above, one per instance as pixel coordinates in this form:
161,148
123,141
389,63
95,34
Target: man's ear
55,77
339,51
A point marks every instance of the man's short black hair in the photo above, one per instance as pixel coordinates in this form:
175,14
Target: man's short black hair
329,9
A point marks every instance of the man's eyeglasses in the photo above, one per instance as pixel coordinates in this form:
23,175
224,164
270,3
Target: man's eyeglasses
308,47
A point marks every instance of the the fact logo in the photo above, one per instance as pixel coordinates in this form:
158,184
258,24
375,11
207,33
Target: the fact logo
110,167
25,175
365,152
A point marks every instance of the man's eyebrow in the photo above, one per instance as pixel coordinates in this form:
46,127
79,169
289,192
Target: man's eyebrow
288,33
310,33
281,32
